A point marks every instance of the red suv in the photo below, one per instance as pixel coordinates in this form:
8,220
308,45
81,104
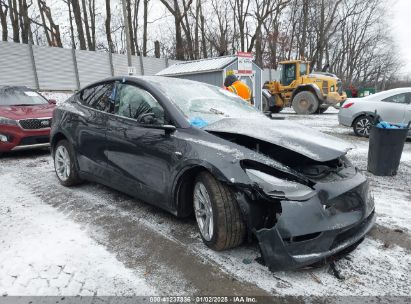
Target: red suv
25,119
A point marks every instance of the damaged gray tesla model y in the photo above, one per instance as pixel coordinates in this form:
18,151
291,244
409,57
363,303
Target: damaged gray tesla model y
191,148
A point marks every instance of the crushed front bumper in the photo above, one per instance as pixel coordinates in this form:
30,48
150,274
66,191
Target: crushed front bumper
312,231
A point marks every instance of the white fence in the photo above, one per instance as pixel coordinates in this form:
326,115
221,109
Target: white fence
50,68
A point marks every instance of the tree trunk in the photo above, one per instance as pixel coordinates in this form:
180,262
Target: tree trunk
157,49
14,19
24,21
3,22
79,23
145,17
258,49
108,27
179,41
73,41
86,25
304,29
130,28
92,10
203,35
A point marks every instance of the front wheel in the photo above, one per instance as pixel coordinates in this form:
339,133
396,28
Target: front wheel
217,213
305,103
362,126
65,164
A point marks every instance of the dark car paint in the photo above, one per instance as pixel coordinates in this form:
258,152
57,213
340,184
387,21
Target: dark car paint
320,147
151,164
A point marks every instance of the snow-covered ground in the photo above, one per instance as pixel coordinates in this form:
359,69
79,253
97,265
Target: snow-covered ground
91,239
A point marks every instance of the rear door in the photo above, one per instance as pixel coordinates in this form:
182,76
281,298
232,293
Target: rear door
141,157
392,108
92,126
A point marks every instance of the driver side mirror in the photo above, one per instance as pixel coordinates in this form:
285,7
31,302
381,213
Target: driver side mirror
52,101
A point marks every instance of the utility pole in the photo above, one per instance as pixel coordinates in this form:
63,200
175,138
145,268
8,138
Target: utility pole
128,45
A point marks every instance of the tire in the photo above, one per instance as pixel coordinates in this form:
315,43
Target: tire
227,226
266,104
276,109
321,110
65,164
305,103
362,125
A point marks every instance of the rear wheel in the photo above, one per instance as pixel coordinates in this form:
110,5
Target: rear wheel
305,103
362,126
217,213
266,104
322,110
65,164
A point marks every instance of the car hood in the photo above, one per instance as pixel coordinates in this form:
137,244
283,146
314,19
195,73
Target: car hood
25,112
297,138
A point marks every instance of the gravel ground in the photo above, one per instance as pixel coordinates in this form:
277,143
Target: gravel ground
94,240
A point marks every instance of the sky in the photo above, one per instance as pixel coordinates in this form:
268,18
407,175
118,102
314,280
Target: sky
401,29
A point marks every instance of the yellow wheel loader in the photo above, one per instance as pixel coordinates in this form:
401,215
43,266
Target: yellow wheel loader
306,92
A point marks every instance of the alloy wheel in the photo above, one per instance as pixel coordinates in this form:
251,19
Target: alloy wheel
62,163
203,211
363,126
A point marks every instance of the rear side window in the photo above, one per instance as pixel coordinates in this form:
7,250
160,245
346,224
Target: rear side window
398,98
99,97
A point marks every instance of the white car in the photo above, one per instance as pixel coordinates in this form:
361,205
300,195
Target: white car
394,106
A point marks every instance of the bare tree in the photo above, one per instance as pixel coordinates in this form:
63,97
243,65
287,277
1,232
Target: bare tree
14,19
178,13
108,27
79,23
3,20
145,23
51,30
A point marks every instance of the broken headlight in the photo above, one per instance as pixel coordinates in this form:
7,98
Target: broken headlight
7,121
280,188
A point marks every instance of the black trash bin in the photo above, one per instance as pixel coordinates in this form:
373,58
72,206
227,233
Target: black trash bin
385,149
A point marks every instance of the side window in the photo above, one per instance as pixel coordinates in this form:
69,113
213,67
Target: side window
408,98
399,98
99,97
289,74
136,103
303,69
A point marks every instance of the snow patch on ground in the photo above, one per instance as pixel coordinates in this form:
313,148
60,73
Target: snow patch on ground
44,253
364,271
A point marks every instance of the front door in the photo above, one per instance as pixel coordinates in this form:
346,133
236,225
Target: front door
141,156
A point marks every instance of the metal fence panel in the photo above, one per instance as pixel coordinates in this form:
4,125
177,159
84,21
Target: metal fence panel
136,63
92,66
153,65
120,65
55,68
15,65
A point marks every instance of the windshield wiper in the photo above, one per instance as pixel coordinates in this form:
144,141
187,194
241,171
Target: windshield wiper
211,111
215,111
